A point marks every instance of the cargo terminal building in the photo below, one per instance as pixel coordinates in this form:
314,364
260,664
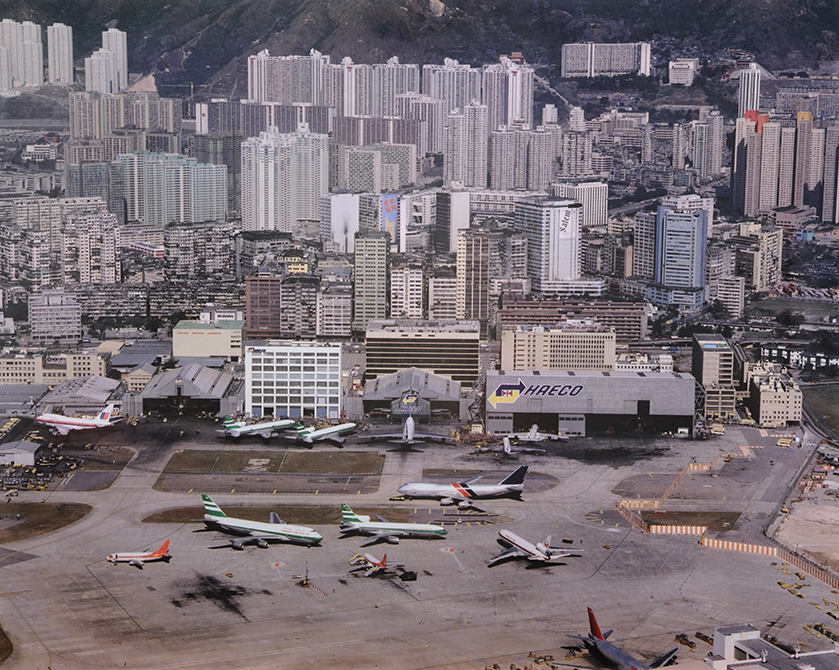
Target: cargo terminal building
575,403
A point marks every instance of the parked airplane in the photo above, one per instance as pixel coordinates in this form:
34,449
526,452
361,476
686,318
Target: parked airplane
138,559
266,429
543,552
533,435
370,564
597,642
408,437
384,529
256,532
463,493
62,425
508,450
334,434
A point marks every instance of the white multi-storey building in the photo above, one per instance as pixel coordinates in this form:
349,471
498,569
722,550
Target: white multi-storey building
465,151
100,75
407,288
680,256
605,60
749,94
455,84
116,41
167,188
284,176
390,80
507,91
553,227
594,196
293,379
60,54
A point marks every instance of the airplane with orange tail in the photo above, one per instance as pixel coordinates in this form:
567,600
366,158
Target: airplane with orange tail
370,564
598,643
138,559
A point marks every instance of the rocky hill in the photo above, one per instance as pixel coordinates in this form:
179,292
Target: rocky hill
206,42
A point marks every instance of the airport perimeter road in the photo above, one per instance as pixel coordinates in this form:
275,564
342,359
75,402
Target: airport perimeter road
65,607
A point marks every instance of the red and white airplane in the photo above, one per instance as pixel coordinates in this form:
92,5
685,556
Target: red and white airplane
370,564
61,425
138,559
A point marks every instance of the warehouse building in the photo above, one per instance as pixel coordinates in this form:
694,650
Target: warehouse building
576,403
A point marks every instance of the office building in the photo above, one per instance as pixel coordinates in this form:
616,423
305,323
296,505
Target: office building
334,310
713,368
775,398
263,299
552,226
605,60
293,379
298,316
370,278
222,339
447,349
474,272
60,54
570,345
593,196
442,296
681,240
54,315
407,290
683,70
284,176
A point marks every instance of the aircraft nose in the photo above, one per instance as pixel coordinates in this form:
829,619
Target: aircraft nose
405,489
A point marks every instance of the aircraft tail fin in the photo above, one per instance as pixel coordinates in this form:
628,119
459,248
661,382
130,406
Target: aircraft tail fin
105,414
548,542
164,549
595,629
384,562
348,515
211,508
229,423
508,449
664,659
273,517
534,431
517,477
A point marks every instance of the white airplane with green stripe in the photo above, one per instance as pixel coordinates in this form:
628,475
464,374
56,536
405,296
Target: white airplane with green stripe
256,532
384,529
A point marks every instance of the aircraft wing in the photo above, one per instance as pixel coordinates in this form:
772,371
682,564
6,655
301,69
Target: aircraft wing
665,658
470,481
511,553
136,562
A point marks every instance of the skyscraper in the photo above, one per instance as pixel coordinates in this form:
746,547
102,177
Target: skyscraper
100,74
465,151
60,54
680,255
370,278
552,226
116,41
284,176
507,91
749,95
455,84
831,172
474,271
391,79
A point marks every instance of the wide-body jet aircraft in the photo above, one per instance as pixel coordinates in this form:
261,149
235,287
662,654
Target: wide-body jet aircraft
384,529
62,425
463,493
539,554
597,642
256,532
266,429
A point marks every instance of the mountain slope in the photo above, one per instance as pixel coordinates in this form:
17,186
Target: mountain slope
207,42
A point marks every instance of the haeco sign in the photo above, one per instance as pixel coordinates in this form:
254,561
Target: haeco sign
508,393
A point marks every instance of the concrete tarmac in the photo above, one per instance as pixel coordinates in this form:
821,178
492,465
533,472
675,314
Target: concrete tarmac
63,606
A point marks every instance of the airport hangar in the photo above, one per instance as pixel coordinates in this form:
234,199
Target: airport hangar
576,402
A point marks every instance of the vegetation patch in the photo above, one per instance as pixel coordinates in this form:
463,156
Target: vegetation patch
41,518
193,460
823,399
246,461
341,463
